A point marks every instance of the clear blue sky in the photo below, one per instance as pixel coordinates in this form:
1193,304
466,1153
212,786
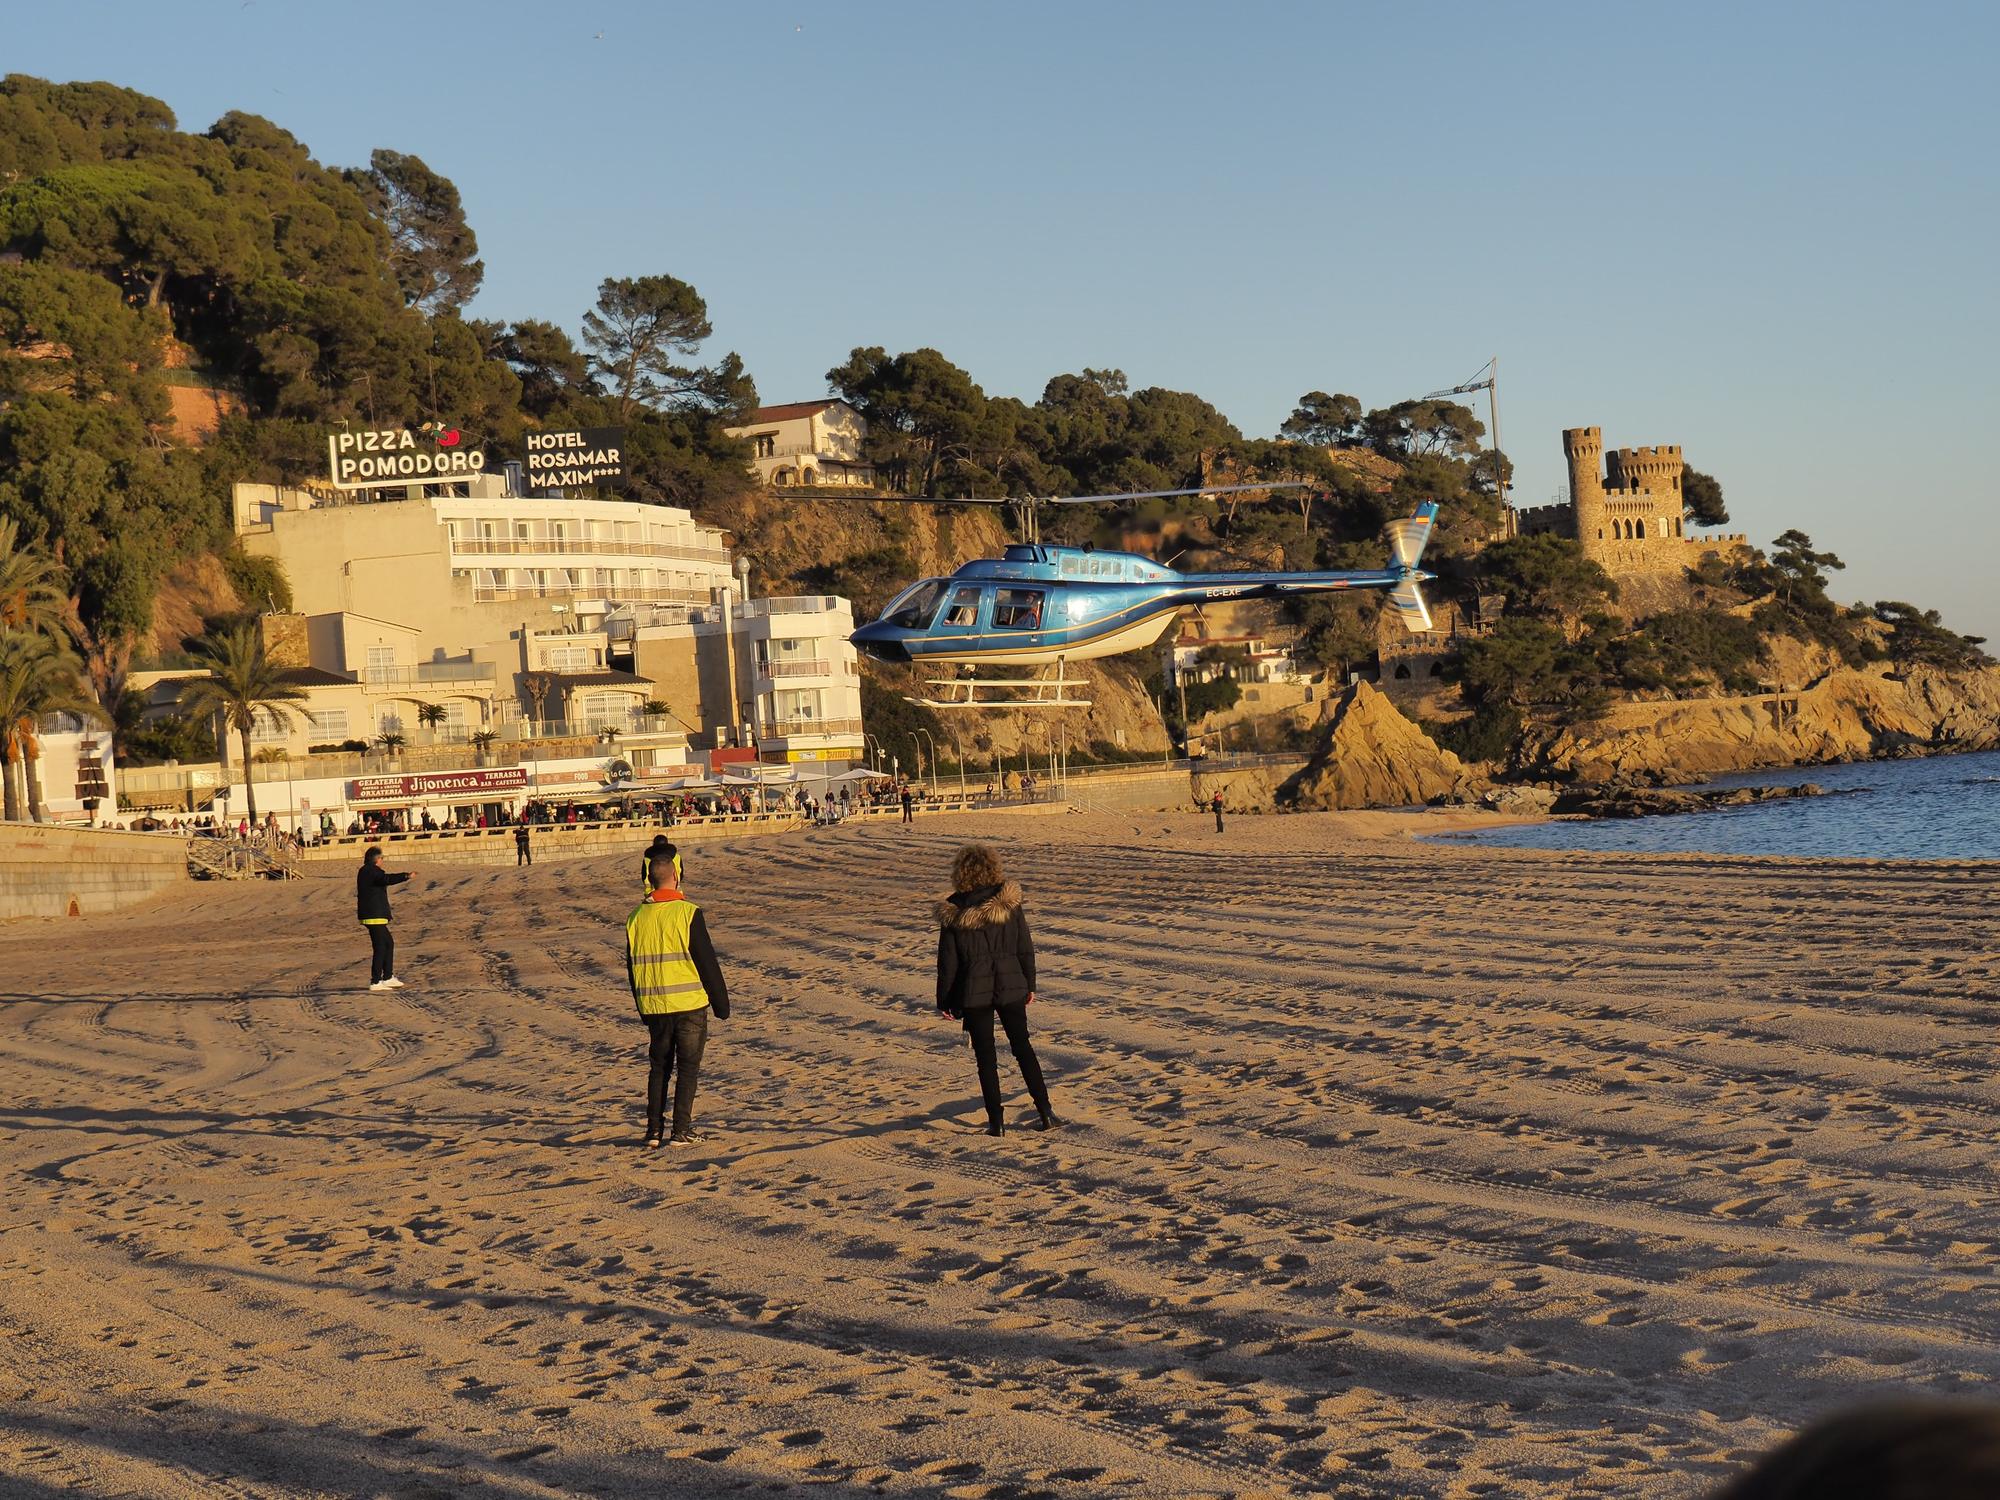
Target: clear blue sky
1765,232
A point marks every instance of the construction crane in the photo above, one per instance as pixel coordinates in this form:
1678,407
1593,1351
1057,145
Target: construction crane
1486,378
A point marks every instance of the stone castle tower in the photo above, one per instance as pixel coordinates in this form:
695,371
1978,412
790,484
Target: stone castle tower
1626,507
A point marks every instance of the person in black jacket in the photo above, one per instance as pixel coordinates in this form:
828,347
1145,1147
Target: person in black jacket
524,853
371,905
986,971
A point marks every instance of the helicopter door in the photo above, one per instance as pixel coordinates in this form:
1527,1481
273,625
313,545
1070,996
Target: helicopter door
963,611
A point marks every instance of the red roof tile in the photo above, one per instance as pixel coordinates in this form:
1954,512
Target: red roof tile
789,412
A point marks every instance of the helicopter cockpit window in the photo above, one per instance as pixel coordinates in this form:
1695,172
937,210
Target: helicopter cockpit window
912,609
964,609
1018,609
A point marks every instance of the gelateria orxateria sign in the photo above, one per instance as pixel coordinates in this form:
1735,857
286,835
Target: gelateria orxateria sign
365,458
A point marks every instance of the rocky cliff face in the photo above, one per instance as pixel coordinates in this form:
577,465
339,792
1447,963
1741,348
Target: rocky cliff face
1371,756
1849,715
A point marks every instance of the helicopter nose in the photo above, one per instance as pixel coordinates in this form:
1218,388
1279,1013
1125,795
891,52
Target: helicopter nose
882,641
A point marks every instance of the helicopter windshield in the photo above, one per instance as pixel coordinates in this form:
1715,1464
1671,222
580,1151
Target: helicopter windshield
912,609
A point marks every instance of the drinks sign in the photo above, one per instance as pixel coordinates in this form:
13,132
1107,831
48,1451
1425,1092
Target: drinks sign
437,784
370,457
573,460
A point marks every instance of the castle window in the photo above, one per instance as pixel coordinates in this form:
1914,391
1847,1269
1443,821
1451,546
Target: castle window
1641,532
1403,672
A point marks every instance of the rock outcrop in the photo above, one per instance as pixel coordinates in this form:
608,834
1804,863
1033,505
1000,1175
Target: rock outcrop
1372,756
1848,715
1624,800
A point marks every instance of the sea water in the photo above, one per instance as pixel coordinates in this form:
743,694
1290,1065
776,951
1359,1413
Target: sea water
1944,807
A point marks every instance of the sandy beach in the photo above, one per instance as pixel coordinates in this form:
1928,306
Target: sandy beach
1392,1169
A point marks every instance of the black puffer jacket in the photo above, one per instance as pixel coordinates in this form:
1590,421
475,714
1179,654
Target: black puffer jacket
371,891
985,955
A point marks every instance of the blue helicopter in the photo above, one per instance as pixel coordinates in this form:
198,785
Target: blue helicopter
1048,606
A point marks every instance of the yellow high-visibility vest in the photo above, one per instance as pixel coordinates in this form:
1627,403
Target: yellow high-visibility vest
664,978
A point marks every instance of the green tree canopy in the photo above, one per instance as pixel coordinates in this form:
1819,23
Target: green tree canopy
1701,498
1324,421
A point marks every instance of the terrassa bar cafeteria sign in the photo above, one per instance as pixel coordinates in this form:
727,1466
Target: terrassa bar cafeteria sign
571,460
367,457
438,784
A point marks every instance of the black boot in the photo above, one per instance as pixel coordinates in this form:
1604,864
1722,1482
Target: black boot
1048,1116
995,1127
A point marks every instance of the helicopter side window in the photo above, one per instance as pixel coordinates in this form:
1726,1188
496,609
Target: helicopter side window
964,609
912,609
1018,609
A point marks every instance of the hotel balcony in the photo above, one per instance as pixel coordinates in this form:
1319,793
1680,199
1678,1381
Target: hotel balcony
529,546
773,670
459,674
791,729
616,594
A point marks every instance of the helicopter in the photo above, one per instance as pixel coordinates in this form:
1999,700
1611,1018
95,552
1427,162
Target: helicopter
1049,606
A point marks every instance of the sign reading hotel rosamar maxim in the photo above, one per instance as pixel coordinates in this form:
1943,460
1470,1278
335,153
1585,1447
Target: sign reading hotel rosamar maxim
576,459
438,784
367,457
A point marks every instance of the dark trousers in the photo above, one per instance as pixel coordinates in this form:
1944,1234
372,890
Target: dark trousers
680,1039
906,814
1218,820
1014,1021
382,954
522,856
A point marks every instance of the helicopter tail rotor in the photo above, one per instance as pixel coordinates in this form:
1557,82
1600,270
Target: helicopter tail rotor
1407,599
1408,536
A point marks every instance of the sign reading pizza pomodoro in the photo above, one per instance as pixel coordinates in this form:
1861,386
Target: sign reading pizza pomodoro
368,457
437,784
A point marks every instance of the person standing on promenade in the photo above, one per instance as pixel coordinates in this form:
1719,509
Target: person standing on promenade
986,971
371,905
676,984
908,817
1215,803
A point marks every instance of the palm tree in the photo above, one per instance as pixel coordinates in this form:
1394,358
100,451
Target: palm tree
431,716
31,594
38,676
242,682
392,740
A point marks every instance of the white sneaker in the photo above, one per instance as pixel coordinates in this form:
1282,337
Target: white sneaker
392,983
379,985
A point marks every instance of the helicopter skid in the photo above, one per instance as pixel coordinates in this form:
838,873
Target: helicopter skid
1005,692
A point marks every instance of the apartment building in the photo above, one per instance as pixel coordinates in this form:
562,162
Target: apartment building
777,674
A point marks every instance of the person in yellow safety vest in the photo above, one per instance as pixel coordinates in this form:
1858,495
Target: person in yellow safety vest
676,984
661,845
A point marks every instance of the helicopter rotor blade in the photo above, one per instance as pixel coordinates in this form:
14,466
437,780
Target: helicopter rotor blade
1205,489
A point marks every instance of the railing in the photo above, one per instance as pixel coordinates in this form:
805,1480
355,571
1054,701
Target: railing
792,728
811,450
235,859
528,546
431,674
795,669
622,594
791,604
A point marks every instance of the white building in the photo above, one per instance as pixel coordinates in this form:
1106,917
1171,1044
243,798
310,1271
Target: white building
778,674
808,443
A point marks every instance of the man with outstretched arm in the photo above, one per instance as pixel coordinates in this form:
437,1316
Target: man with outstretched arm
371,905
676,985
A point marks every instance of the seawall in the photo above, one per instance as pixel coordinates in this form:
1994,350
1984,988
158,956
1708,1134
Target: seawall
75,872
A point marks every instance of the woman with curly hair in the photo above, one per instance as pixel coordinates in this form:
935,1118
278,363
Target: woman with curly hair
986,971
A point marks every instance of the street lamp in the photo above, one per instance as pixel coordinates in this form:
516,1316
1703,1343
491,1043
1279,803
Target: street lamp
874,755
934,756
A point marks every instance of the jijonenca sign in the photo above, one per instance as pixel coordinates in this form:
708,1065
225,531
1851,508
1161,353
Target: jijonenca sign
438,784
571,460
395,455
